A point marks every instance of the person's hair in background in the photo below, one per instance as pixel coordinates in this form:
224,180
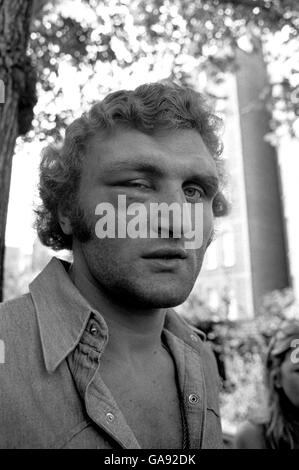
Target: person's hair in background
282,376
279,429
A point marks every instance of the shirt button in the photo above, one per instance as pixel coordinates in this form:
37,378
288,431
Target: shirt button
110,417
194,338
193,398
93,330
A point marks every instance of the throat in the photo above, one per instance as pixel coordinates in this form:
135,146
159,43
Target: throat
134,337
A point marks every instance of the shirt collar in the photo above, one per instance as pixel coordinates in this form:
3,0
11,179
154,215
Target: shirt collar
183,330
63,314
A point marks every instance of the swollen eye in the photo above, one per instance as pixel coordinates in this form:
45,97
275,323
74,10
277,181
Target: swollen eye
221,206
193,191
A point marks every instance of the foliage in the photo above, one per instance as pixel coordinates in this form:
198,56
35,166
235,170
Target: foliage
245,349
243,345
113,43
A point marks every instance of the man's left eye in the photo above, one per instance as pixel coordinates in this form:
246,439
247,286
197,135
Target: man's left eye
194,193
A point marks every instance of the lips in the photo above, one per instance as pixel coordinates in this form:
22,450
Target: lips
166,253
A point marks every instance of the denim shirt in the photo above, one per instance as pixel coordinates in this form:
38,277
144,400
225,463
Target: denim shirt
51,391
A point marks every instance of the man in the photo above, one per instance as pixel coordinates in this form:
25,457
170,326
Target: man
94,355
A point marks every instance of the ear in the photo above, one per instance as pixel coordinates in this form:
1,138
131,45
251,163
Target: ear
64,222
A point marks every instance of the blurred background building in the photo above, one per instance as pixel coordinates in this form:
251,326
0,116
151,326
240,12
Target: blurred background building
249,256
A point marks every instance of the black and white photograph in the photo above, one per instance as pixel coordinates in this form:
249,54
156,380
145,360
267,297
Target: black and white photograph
149,228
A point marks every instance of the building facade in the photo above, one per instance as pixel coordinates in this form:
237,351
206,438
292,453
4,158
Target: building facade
248,257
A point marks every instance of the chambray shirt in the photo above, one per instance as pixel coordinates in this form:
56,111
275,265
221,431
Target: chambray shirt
51,391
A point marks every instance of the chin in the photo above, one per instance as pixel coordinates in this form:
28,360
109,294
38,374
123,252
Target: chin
164,299
152,295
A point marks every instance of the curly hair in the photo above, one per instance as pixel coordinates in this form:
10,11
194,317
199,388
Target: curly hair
279,425
148,108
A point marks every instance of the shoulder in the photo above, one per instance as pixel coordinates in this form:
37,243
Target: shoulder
197,340
250,435
18,327
177,323
16,311
194,339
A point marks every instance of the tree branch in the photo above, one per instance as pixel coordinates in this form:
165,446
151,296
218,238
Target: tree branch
277,12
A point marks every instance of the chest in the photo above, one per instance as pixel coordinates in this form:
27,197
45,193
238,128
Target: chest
150,402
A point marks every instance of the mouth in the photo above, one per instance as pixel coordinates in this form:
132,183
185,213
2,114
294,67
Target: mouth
166,254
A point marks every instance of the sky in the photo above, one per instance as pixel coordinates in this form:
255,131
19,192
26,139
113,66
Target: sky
23,195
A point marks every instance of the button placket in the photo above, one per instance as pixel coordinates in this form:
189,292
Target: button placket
94,330
110,417
193,398
194,338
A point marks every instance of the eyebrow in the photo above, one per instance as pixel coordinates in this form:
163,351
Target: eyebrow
135,165
208,180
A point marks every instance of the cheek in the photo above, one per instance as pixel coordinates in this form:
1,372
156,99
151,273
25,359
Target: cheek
117,254
113,247
293,384
208,230
208,224
290,384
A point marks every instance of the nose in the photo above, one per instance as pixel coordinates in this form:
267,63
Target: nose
173,219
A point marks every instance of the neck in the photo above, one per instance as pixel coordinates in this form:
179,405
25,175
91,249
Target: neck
132,329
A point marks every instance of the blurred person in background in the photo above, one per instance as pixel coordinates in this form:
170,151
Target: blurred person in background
280,429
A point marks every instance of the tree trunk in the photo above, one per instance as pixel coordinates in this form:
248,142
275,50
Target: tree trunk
15,17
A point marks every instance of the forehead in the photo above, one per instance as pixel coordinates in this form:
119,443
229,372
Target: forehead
178,150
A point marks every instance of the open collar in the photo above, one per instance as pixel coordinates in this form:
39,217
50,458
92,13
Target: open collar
62,312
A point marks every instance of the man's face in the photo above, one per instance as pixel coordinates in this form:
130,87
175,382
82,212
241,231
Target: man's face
169,166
